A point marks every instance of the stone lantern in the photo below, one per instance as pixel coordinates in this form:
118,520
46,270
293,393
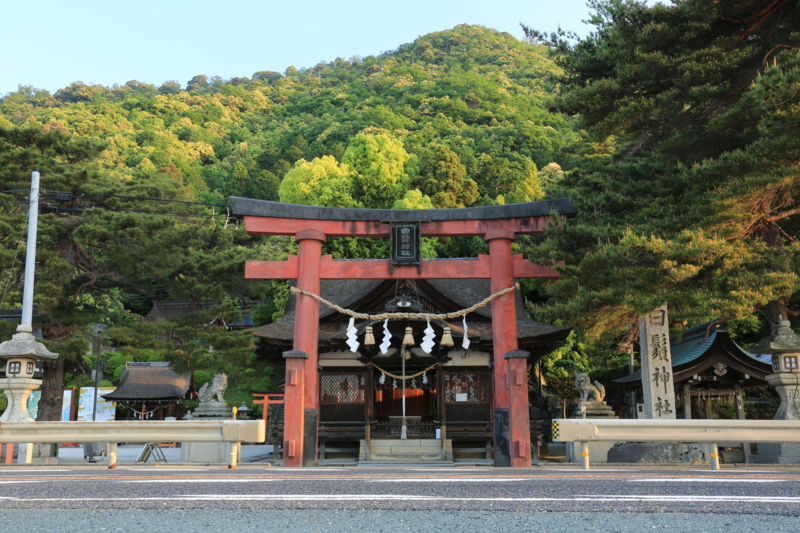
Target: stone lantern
784,346
21,354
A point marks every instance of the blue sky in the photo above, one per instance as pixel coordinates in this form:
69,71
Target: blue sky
51,43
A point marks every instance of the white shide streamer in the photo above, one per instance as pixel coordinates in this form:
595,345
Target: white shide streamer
387,337
427,340
351,336
465,342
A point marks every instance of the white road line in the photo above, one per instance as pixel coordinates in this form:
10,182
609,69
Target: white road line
31,471
312,469
208,480
690,497
578,470
25,481
407,497
448,480
447,469
705,480
159,469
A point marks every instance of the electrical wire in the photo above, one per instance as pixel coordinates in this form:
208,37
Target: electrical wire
14,262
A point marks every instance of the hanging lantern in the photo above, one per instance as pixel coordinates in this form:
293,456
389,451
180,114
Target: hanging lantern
447,339
369,338
408,340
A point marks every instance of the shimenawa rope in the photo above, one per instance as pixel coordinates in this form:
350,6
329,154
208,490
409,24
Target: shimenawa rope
383,316
408,376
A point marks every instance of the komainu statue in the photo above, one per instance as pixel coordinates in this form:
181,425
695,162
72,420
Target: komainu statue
589,392
217,388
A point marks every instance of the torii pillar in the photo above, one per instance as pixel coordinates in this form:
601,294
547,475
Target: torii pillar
511,417
311,226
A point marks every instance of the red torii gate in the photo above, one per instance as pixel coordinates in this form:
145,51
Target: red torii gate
311,226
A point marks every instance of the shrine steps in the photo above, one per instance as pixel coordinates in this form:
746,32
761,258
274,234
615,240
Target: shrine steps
400,464
406,451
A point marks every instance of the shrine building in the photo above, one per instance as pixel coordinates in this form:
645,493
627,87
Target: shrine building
433,352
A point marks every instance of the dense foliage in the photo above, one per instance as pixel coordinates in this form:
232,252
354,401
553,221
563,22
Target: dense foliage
456,118
697,203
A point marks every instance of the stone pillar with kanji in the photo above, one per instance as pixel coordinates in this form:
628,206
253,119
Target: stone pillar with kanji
658,388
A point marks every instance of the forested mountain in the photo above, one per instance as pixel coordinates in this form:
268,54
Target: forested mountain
456,118
479,93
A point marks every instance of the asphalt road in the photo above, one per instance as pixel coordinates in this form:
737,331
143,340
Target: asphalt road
260,498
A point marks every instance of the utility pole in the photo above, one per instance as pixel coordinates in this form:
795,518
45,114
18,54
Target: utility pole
30,257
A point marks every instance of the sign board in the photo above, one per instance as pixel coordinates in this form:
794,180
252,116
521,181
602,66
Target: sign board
461,397
66,406
106,411
405,244
658,388
33,403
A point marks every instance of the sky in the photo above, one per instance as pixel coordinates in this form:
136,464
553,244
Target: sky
49,44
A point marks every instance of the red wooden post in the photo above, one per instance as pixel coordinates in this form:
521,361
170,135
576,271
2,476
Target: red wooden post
293,408
306,336
504,338
519,417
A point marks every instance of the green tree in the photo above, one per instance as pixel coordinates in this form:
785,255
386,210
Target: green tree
321,181
377,163
697,207
444,179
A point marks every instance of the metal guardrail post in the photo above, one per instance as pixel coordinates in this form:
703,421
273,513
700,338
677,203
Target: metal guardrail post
232,463
584,455
714,457
112,455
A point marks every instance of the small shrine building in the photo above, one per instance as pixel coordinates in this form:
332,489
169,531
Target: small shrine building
706,365
151,391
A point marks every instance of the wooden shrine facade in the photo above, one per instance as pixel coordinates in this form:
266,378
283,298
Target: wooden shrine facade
309,393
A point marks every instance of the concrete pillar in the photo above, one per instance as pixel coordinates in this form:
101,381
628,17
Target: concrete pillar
293,408
519,415
306,335
504,335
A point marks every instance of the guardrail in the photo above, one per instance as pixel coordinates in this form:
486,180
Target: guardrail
144,431
711,431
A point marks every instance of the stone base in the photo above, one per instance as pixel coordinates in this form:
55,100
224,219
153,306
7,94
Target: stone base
695,453
17,392
777,453
594,410
212,409
206,452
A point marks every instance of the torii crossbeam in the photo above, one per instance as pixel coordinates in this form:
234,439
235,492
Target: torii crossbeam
311,226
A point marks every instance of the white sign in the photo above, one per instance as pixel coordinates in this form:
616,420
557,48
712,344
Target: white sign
461,397
66,406
106,410
658,388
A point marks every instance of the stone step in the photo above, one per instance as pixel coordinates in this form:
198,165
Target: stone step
405,449
405,457
407,443
399,464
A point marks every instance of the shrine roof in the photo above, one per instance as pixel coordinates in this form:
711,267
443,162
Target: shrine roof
461,292
694,345
152,381
266,208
